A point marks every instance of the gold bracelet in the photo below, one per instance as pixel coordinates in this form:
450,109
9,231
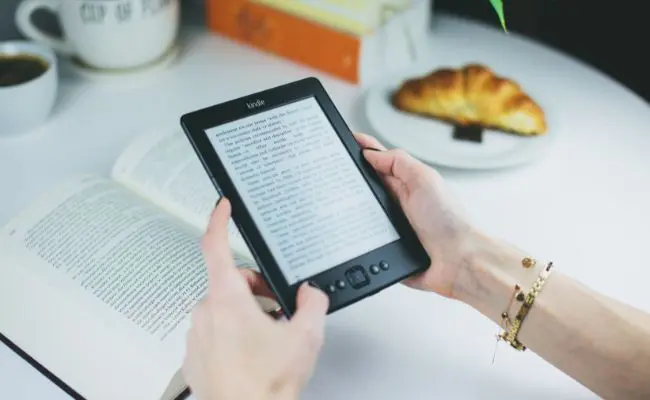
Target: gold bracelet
510,335
505,318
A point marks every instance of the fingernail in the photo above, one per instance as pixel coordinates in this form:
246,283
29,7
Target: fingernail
276,314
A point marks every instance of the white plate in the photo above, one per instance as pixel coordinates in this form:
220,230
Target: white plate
432,141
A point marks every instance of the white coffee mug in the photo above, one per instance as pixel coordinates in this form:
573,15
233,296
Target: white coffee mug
107,34
26,105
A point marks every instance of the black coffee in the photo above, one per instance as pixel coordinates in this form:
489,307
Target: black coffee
20,68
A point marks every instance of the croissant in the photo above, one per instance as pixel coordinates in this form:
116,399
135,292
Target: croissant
472,95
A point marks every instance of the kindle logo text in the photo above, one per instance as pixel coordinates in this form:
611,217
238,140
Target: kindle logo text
255,104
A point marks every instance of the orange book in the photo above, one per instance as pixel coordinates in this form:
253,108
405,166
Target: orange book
346,55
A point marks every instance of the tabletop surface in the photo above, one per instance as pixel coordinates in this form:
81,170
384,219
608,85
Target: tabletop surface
583,206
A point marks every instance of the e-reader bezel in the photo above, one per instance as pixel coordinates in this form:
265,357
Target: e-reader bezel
403,258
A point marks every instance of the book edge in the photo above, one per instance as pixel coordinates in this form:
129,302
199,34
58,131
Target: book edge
55,379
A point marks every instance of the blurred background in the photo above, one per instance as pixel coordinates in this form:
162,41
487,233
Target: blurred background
601,33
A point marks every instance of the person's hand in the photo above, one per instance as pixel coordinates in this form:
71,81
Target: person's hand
435,216
234,349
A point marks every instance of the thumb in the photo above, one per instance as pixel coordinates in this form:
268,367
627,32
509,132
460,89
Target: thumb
309,319
396,163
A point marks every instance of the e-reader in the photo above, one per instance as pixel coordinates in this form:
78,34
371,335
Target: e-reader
307,203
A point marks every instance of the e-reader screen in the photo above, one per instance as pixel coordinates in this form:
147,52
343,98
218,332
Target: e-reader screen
304,192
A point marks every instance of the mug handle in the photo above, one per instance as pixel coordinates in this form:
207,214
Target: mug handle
24,23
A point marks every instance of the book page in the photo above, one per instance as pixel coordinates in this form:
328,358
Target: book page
101,284
70,339
162,166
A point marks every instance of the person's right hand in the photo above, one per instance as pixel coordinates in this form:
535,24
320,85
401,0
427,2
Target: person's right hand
435,216
234,349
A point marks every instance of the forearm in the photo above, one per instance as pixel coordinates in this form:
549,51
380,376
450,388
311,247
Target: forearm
601,343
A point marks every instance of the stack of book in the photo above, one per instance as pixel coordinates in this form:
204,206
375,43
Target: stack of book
355,40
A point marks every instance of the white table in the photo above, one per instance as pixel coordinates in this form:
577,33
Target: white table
583,206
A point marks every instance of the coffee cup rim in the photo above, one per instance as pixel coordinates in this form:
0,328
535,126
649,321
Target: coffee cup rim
32,48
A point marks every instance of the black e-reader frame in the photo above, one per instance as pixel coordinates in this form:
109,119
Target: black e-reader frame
347,282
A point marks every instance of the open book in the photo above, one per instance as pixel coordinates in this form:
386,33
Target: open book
98,278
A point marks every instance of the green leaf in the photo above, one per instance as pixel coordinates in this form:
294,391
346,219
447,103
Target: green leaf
498,7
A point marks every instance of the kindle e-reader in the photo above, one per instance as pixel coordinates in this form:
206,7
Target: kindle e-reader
308,205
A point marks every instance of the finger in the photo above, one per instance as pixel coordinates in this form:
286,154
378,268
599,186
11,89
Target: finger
256,283
215,245
270,307
395,186
415,282
397,163
309,319
367,141
223,277
263,295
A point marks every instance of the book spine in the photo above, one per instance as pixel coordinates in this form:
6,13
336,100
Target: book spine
286,35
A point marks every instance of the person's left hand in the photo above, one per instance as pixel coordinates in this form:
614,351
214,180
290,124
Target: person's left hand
234,349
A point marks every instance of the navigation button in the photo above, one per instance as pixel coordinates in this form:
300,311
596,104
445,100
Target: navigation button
383,265
357,277
340,284
331,288
374,269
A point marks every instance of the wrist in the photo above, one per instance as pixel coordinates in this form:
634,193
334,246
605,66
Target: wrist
487,277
